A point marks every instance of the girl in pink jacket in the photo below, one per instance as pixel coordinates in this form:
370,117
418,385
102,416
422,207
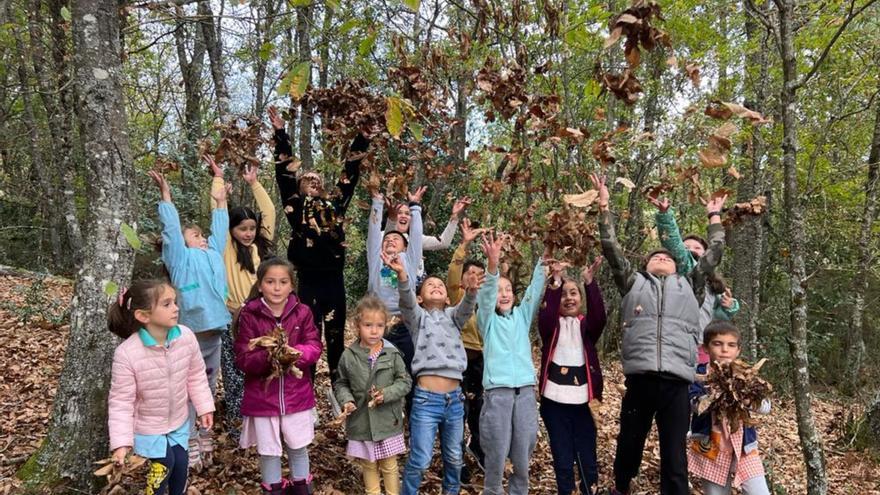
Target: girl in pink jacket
157,371
278,408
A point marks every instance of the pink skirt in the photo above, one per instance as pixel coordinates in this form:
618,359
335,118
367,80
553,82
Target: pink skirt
374,451
298,430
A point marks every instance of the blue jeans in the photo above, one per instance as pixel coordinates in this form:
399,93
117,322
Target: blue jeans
432,411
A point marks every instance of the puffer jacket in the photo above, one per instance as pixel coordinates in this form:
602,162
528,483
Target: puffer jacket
286,394
356,377
152,385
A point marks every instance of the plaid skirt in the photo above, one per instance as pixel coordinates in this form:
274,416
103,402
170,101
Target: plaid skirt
374,451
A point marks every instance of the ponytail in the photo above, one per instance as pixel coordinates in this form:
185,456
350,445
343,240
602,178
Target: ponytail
143,295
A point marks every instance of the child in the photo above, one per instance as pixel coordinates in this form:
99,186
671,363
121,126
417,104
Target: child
383,281
400,219
249,241
463,273
509,418
195,266
147,415
371,386
660,322
570,375
280,409
719,457
317,241
437,366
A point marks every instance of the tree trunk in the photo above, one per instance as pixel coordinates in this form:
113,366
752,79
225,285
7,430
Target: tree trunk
872,417
856,341
263,33
78,429
811,442
191,74
748,238
214,45
304,51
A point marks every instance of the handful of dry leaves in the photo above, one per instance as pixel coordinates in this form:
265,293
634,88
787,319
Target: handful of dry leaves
735,390
118,477
281,356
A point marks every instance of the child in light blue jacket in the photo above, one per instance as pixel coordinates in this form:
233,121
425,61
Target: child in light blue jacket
195,266
509,417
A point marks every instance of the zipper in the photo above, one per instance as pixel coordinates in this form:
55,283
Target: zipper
660,322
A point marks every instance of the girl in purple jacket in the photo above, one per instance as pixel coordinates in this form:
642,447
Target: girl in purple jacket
278,413
570,375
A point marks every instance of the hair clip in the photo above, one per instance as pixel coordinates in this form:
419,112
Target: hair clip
121,298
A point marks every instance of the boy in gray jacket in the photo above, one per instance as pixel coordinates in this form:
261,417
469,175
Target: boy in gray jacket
660,314
437,366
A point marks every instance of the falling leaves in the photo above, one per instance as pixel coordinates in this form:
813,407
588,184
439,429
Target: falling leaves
635,23
624,86
628,184
738,212
583,200
240,141
723,110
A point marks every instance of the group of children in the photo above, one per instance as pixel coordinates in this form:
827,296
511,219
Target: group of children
431,354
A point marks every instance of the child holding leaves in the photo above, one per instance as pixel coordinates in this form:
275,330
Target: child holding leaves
157,371
371,387
278,407
660,325
509,418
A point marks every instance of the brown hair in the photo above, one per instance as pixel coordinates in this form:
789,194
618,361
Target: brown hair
142,295
369,303
720,327
655,252
261,272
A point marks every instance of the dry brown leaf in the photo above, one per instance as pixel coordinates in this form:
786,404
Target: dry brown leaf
583,200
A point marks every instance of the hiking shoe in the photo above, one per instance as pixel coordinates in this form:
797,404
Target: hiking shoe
195,454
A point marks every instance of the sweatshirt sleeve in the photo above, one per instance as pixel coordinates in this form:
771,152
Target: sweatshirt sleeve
532,298
709,261
374,238
351,174
453,276
267,209
548,314
416,236
342,386
173,244
409,308
594,321
464,310
254,361
288,186
624,275
445,239
219,229
487,297
670,239
123,393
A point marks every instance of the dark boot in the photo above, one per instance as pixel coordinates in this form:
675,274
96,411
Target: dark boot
302,487
279,488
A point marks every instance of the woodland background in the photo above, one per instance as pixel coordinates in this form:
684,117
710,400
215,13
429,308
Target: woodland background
511,102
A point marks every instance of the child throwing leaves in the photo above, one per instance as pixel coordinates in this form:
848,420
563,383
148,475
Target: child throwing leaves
509,418
278,397
157,371
571,378
724,459
660,325
437,365
195,266
371,386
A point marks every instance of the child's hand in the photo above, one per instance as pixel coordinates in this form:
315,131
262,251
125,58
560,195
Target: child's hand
416,197
250,174
220,194
661,205
467,233
727,299
119,455
395,263
206,421
599,185
713,208
589,272
556,268
215,169
390,207
459,206
473,288
492,249
164,189
378,396
275,118
348,408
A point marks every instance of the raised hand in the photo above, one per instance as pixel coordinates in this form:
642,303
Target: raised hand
416,197
589,272
249,174
661,205
599,185
162,184
472,288
468,234
492,247
216,171
275,118
220,194
459,206
727,299
395,263
715,204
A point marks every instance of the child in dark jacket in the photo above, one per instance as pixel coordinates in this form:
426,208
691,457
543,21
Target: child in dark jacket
371,386
660,326
317,240
721,458
281,408
571,377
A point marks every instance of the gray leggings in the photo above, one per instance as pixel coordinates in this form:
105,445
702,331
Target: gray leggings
270,465
209,345
508,429
751,486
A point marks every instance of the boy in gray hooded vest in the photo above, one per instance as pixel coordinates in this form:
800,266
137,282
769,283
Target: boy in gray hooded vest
660,314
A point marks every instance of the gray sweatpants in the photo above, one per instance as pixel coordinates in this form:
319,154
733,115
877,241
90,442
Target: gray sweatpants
508,429
209,345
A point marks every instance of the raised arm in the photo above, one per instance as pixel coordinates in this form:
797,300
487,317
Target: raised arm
219,219
416,230
465,308
532,298
624,275
374,234
594,321
487,296
264,202
712,257
670,236
351,173
453,276
173,244
548,314
288,186
410,310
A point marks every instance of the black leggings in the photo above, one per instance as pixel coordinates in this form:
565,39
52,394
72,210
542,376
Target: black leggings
324,293
167,476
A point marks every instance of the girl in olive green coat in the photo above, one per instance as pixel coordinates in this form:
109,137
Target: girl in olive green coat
371,387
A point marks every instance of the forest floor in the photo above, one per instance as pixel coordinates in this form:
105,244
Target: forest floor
33,336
